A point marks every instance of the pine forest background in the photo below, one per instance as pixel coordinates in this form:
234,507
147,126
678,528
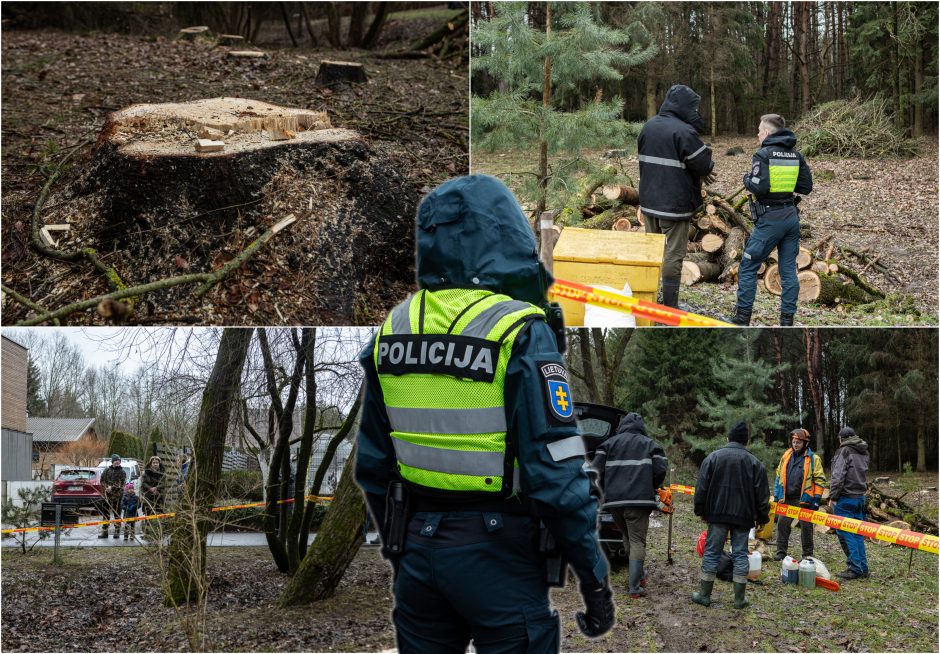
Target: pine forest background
691,385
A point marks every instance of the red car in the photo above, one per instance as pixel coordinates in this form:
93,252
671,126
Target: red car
78,487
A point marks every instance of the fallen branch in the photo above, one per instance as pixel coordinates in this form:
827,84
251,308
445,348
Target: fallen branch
736,218
22,299
858,279
208,280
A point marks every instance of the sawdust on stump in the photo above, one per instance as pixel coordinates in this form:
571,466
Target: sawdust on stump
153,198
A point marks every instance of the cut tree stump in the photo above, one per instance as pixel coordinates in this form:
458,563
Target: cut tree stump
192,32
693,273
230,39
623,193
340,72
804,258
149,197
712,242
810,286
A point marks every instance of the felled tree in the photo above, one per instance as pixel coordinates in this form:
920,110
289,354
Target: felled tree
541,72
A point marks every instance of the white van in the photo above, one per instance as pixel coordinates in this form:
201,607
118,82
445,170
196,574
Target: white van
132,468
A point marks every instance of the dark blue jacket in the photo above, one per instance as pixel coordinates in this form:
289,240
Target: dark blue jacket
673,158
471,233
130,503
779,147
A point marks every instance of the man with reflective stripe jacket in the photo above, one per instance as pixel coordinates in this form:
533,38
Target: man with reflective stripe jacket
777,172
630,467
673,163
468,353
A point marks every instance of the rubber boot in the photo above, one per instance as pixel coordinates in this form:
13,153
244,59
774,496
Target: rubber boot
636,579
703,595
786,319
740,601
671,292
741,317
103,534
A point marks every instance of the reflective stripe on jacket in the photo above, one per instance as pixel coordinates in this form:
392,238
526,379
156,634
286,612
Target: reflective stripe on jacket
441,359
814,482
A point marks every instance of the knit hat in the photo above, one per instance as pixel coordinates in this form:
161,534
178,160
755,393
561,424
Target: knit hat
115,457
128,486
846,432
739,433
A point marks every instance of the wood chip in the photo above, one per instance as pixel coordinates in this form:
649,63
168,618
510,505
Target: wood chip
207,145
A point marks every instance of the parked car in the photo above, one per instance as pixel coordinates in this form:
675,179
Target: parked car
597,423
78,487
132,467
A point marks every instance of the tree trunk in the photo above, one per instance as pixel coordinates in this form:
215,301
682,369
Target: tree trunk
357,19
705,271
813,365
290,32
650,91
546,107
375,27
733,248
919,53
804,58
840,39
333,20
335,546
296,540
187,550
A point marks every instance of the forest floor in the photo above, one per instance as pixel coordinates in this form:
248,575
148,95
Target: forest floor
59,88
888,207
70,607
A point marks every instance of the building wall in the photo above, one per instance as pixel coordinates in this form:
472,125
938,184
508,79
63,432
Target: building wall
13,359
17,450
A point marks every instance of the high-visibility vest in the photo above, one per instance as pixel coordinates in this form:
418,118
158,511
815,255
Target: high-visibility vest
441,359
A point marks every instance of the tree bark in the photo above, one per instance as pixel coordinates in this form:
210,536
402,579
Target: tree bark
357,19
546,106
804,57
335,546
693,273
187,550
813,365
375,27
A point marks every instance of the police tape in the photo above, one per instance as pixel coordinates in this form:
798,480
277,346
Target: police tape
904,537
158,516
627,304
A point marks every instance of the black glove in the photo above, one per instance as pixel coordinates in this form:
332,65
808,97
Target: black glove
708,179
599,617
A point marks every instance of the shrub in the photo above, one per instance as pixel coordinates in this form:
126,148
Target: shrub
245,484
125,445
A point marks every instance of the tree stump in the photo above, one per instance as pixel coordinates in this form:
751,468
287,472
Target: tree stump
191,33
230,39
340,72
704,271
149,196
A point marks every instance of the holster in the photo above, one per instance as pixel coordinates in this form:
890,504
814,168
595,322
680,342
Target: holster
396,520
556,320
757,209
556,567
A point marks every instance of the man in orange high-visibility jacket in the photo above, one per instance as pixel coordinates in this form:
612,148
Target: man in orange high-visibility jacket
800,482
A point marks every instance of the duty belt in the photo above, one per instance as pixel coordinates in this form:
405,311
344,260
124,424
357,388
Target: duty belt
512,505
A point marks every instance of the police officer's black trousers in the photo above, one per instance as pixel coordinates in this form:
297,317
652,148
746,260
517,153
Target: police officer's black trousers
779,228
473,576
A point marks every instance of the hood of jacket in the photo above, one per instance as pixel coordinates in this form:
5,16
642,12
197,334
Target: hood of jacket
631,423
682,102
471,233
856,444
782,137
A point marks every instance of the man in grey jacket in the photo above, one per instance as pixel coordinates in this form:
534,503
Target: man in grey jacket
631,466
847,487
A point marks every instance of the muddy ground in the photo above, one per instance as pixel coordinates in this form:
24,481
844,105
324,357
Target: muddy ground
58,89
887,207
72,607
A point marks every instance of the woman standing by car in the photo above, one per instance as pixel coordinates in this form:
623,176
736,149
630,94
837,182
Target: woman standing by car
151,486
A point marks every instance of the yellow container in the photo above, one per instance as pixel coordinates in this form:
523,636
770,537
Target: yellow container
608,258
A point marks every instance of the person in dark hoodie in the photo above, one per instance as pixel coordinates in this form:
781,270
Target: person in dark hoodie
630,467
778,171
731,495
468,438
673,163
847,486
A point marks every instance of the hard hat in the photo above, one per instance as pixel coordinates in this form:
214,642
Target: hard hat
801,434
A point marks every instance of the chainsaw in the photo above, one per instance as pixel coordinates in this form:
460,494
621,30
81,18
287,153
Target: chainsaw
664,503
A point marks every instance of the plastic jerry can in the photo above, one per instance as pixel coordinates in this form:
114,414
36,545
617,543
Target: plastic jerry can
790,571
753,565
807,574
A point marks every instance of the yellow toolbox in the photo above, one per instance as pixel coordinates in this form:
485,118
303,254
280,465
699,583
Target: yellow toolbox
608,258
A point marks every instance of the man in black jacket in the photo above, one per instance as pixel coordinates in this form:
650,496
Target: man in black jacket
673,163
631,466
732,495
777,171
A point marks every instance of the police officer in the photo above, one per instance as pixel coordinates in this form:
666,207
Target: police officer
777,172
673,164
468,438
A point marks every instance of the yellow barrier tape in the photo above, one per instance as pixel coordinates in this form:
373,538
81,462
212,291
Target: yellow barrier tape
157,516
627,304
903,537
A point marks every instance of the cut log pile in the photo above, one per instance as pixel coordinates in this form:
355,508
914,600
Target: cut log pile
717,237
886,508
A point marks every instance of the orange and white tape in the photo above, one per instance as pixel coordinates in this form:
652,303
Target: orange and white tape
904,537
158,516
627,304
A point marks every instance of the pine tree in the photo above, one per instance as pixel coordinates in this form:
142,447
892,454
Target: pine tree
537,69
35,404
742,390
